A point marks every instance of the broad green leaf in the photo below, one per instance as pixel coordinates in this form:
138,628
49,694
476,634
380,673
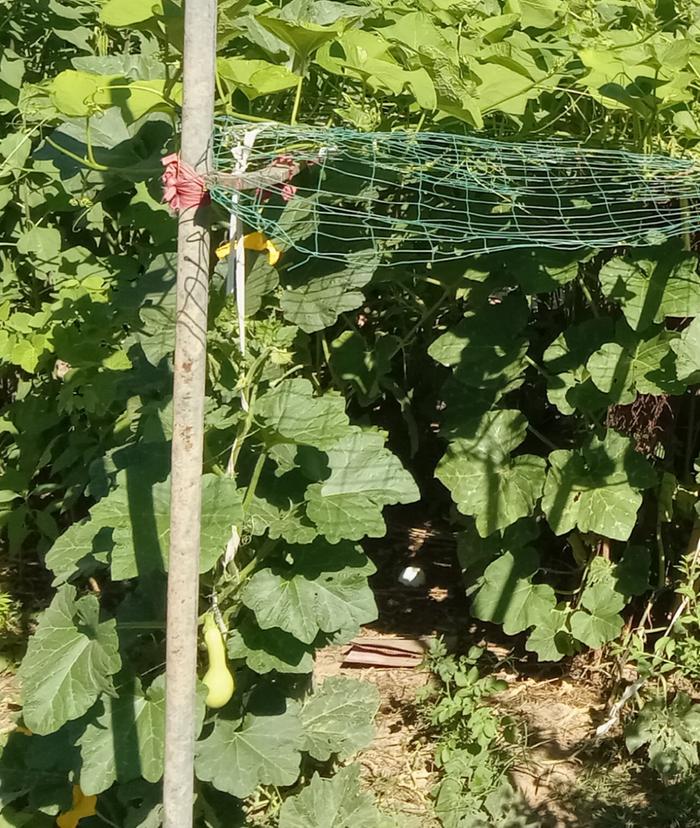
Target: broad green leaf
504,89
671,731
495,434
651,289
306,25
550,639
291,411
286,519
484,345
138,511
262,750
541,270
631,574
74,93
633,365
267,650
569,386
39,767
361,464
597,489
255,77
362,367
15,149
344,516
602,622
338,802
10,818
508,596
324,590
127,740
538,14
122,13
337,718
79,551
318,301
687,349
495,493
483,480
417,31
40,243
70,661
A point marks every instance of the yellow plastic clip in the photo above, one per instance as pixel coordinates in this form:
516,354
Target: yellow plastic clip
253,241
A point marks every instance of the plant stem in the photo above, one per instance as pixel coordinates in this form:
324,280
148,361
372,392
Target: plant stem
86,162
661,577
427,313
250,491
540,370
297,101
542,437
589,296
690,439
265,550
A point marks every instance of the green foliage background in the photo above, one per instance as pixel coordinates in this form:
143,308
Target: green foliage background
523,388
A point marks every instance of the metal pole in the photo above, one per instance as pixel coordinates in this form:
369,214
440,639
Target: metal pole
188,426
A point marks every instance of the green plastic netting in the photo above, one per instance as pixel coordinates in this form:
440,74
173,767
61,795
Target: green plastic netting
425,197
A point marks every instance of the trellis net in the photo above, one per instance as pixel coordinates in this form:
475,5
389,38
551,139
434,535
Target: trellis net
425,197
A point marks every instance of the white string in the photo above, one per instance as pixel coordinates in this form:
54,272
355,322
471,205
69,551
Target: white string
235,276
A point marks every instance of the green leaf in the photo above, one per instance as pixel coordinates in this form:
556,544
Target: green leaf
138,511
262,750
364,477
70,661
344,516
255,77
597,489
649,289
360,464
324,590
337,718
267,650
483,480
338,802
550,639
306,25
10,818
291,410
632,365
631,574
79,551
40,243
127,741
122,13
508,596
687,349
74,93
672,732
319,300
361,367
536,14
484,346
602,622
569,386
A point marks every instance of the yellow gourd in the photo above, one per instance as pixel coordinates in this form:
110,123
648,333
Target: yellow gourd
218,678
83,806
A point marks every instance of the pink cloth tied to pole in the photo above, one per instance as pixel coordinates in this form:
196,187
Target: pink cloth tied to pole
183,186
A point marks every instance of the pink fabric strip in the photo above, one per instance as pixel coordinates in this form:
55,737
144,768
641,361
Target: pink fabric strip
183,187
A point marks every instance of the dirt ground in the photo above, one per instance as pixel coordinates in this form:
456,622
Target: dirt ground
9,701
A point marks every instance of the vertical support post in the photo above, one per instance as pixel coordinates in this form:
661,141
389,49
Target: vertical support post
188,425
